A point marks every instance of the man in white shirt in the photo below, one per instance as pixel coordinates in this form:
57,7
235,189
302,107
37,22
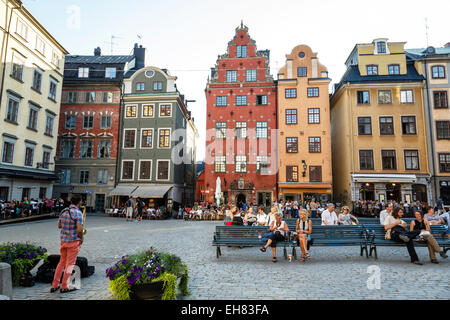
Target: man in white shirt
261,218
329,217
385,213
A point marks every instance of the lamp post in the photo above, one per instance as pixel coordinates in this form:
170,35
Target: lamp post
304,168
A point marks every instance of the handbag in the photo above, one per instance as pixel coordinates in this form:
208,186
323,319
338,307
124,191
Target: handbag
267,235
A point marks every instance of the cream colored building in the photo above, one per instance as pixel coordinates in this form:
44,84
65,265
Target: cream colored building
32,68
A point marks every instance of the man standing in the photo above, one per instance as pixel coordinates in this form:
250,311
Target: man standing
140,206
71,224
329,217
385,213
440,206
130,208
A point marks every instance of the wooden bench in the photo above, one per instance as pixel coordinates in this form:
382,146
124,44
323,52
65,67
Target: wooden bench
377,238
362,221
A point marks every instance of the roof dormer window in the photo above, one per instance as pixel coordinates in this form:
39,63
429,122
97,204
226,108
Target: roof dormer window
381,46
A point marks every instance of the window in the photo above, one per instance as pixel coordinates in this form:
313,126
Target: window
364,126
55,58
89,97
147,138
13,109
372,70
241,164
83,72
221,130
37,80
313,92
140,86
65,177
381,47
292,145
49,125
127,170
231,75
241,51
241,100
411,159
46,159
386,125
72,97
107,97
86,148
22,29
163,170
438,72
366,160
292,173
88,122
409,125
29,155
384,97
105,122
130,112
393,69
104,149
241,129
157,86
314,145
315,173
84,177
262,164
261,100
313,115
302,71
290,93
389,160
291,116
444,162
102,176
40,45
363,97
129,138
406,96
110,73
220,164
68,148
8,152
443,130
250,75
440,99
261,129
33,118
17,68
221,101
147,111
145,170
53,90
164,138
165,110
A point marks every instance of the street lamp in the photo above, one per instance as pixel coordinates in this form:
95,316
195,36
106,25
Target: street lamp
304,168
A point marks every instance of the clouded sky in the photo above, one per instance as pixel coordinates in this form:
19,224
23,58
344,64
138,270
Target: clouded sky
186,36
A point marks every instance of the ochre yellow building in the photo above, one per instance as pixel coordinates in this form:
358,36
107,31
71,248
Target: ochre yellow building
304,141
378,127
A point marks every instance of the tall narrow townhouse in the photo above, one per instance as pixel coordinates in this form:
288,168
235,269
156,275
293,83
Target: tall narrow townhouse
32,67
378,127
434,64
304,129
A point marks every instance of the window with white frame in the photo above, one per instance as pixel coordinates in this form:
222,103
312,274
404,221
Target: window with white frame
129,139
40,45
250,75
148,111
102,176
241,51
164,138
49,122
29,155
241,100
145,169
165,110
52,92
86,148
241,163
221,101
220,164
130,112
65,176
17,67
107,97
127,169
104,149
147,138
12,111
406,96
241,129
22,29
221,130
8,151
110,73
231,75
46,158
262,164
105,122
33,117
163,170
261,129
72,97
89,97
83,72
37,80
67,148
84,176
88,121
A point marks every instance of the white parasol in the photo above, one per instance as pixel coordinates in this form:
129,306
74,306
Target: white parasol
218,191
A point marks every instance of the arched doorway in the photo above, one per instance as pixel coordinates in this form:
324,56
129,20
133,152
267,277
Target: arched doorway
240,200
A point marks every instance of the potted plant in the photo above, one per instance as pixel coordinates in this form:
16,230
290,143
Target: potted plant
148,274
22,257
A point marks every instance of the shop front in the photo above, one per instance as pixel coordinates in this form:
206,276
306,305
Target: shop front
444,189
305,192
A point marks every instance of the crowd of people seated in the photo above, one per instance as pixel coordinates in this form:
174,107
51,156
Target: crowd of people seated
26,208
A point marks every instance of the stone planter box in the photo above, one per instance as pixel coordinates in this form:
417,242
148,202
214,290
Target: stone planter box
147,291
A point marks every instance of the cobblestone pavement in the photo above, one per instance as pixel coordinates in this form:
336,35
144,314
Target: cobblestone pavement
333,272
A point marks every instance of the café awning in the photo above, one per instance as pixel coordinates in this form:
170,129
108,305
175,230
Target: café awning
123,190
151,191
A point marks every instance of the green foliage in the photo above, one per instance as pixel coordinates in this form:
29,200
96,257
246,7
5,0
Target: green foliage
120,288
22,257
170,285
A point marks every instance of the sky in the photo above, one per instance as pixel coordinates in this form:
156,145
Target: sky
186,36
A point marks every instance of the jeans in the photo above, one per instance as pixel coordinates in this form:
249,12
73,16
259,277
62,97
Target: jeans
313,213
410,244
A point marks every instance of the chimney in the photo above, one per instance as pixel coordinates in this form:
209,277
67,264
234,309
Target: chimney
139,54
97,52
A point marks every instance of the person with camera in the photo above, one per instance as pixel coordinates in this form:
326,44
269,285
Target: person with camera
71,224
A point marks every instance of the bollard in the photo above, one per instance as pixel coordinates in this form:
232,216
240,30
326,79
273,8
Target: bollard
5,280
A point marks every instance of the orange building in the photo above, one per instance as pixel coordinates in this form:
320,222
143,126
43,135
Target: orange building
304,132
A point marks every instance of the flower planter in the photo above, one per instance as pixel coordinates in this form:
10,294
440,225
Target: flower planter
147,291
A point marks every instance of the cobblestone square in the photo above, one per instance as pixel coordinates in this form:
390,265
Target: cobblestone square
247,274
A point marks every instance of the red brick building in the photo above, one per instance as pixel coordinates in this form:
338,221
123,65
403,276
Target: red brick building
241,121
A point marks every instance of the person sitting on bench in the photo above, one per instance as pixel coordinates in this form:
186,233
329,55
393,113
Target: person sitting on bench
278,231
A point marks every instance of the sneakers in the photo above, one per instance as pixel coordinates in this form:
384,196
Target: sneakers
443,255
434,261
404,238
417,262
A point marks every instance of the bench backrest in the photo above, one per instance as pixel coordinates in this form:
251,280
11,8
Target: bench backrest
439,232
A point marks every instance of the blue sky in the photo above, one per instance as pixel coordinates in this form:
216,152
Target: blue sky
187,36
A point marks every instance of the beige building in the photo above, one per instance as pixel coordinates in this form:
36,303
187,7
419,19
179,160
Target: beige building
378,127
304,133
32,67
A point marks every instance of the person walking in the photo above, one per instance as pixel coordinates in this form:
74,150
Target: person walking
130,207
71,224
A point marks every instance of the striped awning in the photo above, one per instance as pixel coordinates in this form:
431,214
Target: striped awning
123,190
152,191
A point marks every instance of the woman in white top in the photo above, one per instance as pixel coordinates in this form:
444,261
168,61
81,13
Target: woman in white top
271,215
278,229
